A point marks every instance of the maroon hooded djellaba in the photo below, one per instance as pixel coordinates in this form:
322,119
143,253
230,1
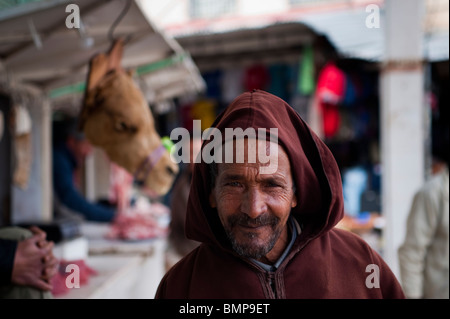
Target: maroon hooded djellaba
323,261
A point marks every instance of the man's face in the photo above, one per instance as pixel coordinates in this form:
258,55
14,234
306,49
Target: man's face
254,207
81,148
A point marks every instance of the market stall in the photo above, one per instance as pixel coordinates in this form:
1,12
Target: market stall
44,64
45,50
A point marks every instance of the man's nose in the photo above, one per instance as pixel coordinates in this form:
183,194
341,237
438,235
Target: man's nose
253,203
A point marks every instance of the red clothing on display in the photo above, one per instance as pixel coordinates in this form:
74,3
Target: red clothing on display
330,91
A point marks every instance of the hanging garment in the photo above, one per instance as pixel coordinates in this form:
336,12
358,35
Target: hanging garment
330,92
232,83
306,84
256,77
22,126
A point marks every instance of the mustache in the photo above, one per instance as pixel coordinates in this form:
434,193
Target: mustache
245,220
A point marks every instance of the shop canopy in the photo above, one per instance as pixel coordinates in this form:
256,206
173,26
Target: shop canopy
349,30
354,34
37,47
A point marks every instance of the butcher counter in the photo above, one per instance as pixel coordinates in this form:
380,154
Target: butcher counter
121,269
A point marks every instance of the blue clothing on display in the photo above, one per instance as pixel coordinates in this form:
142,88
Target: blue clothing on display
354,184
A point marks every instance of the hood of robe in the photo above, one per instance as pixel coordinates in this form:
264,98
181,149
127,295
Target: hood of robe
313,166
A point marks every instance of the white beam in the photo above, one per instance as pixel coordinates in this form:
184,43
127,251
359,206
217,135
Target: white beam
403,110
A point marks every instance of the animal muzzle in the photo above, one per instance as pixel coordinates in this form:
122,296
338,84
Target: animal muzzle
142,172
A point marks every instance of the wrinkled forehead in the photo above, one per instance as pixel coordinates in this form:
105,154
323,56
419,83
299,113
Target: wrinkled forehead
246,148
262,154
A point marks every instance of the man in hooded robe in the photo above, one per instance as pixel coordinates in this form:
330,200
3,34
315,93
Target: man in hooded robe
268,233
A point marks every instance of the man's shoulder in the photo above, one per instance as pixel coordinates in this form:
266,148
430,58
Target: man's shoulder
174,284
184,265
345,234
351,247
343,238
435,183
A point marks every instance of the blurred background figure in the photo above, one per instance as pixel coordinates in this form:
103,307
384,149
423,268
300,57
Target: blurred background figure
70,149
424,254
178,245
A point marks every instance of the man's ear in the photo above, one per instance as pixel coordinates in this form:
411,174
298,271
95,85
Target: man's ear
294,200
212,199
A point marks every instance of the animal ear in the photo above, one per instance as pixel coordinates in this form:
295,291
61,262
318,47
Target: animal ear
98,67
115,55
131,72
103,63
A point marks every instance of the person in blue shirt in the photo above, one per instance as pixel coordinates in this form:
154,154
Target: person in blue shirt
70,148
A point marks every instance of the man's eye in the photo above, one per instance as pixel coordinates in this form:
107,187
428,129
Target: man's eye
233,184
270,184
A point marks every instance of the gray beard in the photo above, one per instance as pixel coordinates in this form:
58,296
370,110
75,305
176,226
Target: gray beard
249,250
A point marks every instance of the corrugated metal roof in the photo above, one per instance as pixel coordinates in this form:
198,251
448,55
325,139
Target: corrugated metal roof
59,65
348,32
345,28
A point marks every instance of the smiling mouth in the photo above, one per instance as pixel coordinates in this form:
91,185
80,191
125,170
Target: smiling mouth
250,226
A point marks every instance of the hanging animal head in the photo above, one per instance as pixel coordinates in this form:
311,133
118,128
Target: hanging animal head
116,118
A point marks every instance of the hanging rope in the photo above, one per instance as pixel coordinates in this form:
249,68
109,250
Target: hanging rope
117,21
